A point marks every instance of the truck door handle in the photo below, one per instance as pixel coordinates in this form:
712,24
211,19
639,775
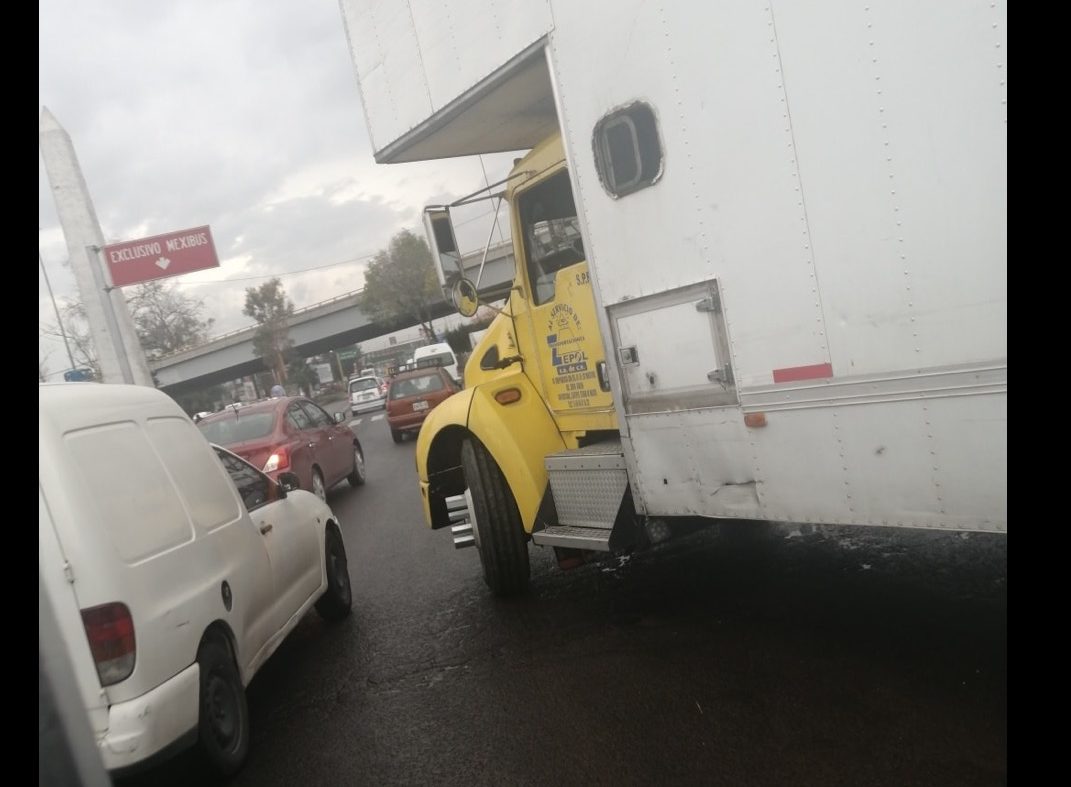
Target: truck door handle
265,529
604,375
310,445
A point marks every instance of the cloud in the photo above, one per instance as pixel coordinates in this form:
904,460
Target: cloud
237,114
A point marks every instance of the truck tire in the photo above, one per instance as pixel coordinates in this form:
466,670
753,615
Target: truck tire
396,436
496,523
223,718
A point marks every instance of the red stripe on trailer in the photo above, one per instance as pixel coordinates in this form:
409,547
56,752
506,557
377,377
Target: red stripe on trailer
794,373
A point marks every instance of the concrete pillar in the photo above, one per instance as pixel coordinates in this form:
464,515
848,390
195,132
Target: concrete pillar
81,230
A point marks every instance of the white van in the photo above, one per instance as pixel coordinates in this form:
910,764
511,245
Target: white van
438,355
174,569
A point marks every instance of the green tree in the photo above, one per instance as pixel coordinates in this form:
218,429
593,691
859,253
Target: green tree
269,306
300,373
166,319
400,283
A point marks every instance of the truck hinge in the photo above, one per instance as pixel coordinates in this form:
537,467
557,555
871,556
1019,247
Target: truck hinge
724,375
68,572
711,303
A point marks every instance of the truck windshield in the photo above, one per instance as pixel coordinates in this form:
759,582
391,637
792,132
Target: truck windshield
551,233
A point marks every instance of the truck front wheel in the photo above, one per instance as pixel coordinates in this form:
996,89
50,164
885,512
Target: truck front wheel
496,523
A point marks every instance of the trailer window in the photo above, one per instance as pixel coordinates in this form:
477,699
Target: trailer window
628,151
551,233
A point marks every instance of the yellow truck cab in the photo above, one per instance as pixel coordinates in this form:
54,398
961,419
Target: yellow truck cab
536,386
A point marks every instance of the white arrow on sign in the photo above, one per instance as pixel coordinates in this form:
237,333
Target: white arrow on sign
162,263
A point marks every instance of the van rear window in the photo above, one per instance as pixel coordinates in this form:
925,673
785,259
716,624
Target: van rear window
439,359
206,490
134,499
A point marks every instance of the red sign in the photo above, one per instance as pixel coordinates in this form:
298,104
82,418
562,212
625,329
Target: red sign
137,261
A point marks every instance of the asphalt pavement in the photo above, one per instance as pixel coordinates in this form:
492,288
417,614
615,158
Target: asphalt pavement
737,655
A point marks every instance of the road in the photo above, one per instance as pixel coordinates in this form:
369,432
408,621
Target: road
737,655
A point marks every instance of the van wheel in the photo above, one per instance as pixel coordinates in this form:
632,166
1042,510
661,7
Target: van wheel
223,720
396,436
496,523
337,600
356,478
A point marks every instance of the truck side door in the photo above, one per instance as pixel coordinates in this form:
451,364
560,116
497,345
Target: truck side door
567,343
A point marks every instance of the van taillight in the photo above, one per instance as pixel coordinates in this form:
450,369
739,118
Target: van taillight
110,630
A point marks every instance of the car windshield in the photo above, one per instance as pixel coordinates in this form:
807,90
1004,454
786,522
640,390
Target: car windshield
367,384
238,428
416,386
439,359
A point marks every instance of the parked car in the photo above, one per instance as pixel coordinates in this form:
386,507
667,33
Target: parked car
412,395
290,435
173,570
367,393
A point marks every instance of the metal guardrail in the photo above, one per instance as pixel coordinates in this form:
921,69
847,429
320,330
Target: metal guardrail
302,310
248,328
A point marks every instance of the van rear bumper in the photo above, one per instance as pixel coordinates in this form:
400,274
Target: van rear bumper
146,725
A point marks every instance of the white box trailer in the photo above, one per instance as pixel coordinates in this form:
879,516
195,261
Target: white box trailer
794,221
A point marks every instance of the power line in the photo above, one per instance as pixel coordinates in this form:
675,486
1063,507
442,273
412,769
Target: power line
276,275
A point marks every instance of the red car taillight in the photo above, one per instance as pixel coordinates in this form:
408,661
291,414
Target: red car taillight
279,459
110,631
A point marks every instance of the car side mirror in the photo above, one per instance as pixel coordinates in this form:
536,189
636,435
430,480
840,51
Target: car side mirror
289,482
340,417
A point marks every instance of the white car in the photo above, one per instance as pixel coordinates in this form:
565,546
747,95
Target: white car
174,568
367,393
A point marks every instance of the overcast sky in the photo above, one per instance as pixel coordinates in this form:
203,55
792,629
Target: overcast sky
238,114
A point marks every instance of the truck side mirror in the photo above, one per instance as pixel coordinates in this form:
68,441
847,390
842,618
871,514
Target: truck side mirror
444,250
465,298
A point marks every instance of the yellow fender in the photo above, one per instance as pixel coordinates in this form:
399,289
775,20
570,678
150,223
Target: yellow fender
517,435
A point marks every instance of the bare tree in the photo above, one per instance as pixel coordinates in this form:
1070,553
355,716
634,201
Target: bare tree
76,326
166,319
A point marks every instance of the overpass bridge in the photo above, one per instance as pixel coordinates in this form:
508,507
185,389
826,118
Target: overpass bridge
314,329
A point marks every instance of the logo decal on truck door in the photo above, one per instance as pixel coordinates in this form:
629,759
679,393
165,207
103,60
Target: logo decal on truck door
576,383
565,339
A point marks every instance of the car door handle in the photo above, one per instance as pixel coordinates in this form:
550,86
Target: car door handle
265,529
310,445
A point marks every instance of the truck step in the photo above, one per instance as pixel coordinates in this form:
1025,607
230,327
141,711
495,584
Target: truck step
588,484
594,538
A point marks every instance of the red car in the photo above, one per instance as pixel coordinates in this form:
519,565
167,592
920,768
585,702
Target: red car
412,395
290,434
